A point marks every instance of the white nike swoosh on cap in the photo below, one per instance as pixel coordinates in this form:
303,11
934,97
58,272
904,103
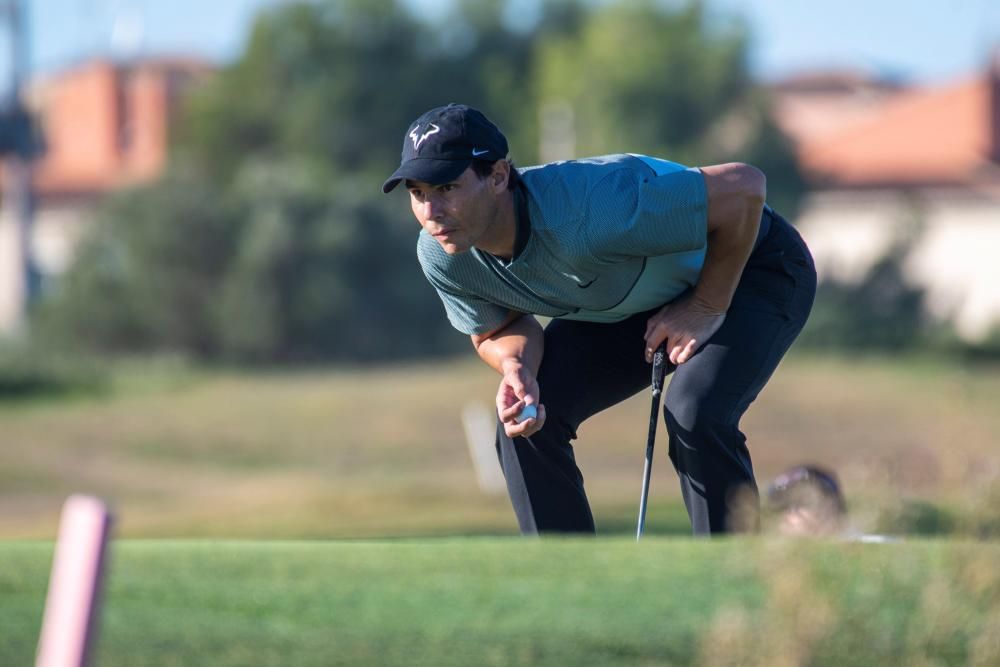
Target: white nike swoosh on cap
476,153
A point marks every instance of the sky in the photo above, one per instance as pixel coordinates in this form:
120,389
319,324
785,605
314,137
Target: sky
922,41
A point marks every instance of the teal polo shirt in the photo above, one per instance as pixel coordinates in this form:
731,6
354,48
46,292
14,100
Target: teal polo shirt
604,238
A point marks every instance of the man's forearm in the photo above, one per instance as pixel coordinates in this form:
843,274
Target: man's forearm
518,344
727,254
736,202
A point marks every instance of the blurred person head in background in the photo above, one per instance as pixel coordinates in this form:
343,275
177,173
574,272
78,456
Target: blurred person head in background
807,501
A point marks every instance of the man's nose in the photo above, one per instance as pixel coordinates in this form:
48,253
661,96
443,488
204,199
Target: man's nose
432,209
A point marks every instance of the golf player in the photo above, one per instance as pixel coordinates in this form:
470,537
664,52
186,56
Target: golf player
622,252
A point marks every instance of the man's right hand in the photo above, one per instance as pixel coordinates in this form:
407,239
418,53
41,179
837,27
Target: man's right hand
514,349
518,388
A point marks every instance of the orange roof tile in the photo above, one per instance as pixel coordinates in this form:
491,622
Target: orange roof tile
936,136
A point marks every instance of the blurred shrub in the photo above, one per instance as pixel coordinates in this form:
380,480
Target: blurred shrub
883,311
146,276
26,372
917,517
978,518
278,268
985,349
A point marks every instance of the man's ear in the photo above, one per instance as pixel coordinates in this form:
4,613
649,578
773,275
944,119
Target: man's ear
500,175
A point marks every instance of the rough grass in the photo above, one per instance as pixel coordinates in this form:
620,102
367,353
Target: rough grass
373,452
504,601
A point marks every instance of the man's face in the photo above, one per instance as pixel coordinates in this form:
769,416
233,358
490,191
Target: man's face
459,214
802,522
810,512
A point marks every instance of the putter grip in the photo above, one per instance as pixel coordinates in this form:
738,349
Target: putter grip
659,368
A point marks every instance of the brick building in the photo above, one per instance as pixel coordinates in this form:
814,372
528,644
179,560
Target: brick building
105,126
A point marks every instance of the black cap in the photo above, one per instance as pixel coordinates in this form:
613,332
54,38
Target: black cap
443,142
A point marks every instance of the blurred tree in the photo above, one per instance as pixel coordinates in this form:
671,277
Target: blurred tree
283,267
485,62
644,77
148,275
657,78
330,83
770,150
323,272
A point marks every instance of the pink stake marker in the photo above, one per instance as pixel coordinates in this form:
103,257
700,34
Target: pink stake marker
69,628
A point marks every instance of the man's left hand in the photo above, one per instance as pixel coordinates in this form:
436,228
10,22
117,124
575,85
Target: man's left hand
686,325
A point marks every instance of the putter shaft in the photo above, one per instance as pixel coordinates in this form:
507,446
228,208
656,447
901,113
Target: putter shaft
659,372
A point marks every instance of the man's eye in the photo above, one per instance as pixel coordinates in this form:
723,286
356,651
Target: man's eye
448,187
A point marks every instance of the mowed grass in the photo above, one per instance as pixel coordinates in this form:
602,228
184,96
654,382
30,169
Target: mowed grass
508,601
376,452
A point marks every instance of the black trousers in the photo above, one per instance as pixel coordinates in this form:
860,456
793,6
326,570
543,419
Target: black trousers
587,367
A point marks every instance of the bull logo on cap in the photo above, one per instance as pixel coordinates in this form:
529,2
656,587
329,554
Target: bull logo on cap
419,140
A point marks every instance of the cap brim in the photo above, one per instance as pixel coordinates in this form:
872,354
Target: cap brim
427,170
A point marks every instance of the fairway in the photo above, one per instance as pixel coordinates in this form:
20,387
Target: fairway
508,601
380,451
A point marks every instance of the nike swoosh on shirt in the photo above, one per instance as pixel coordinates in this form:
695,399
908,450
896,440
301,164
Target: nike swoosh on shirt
579,281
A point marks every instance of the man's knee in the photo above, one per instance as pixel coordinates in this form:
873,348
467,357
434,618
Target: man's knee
696,414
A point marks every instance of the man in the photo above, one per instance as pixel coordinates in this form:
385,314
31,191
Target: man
807,501
623,252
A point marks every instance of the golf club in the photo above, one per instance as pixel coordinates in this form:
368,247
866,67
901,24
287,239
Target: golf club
659,371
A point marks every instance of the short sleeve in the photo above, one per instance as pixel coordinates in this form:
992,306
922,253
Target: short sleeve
645,214
467,312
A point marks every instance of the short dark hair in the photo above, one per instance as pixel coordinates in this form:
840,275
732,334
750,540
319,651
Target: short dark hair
483,168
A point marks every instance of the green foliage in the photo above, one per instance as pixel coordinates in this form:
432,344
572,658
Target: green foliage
986,349
334,84
321,272
279,268
146,279
917,517
327,83
148,275
881,312
762,144
643,79
27,372
978,517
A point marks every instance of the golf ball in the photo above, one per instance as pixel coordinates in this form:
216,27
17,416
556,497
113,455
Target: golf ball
529,412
